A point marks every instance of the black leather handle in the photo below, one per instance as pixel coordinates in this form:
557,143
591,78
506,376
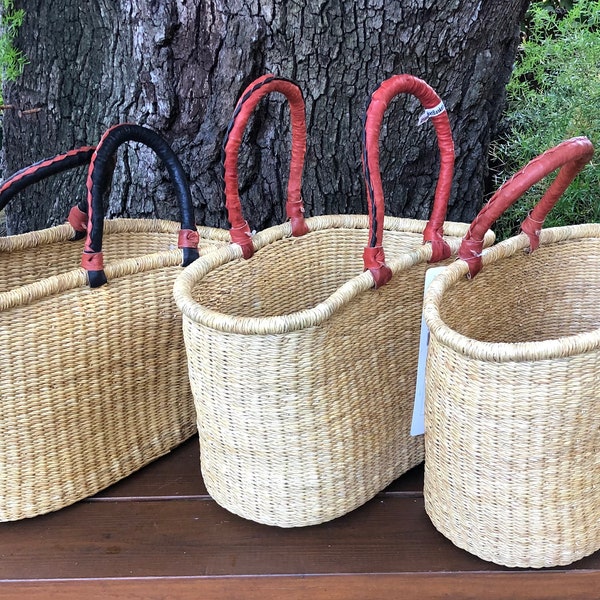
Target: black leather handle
100,175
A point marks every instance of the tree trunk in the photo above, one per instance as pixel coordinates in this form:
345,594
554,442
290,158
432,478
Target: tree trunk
178,66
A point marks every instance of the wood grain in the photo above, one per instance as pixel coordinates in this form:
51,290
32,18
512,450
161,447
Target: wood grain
440,586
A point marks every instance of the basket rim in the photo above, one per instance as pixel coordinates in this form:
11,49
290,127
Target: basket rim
295,321
561,347
77,277
64,232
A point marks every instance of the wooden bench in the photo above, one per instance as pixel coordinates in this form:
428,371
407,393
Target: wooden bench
159,535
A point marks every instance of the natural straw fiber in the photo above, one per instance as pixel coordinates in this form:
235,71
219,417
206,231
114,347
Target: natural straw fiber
94,381
302,373
512,430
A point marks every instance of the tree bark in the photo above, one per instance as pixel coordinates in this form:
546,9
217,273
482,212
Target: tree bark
178,66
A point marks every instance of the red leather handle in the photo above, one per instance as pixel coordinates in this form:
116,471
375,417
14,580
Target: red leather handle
569,156
252,95
435,110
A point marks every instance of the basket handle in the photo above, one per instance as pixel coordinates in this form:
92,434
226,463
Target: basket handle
252,95
99,177
42,169
435,110
569,156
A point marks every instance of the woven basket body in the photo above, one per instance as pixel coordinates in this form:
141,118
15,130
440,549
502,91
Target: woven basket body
94,380
512,428
303,375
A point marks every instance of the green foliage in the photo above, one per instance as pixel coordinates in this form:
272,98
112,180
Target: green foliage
554,94
558,8
12,61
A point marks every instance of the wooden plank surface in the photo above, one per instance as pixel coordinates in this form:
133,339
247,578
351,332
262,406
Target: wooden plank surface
194,537
571,585
158,534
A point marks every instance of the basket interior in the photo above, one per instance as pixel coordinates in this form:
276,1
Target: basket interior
293,274
548,294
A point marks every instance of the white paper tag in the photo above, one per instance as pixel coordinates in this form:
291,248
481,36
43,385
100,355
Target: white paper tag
418,419
431,112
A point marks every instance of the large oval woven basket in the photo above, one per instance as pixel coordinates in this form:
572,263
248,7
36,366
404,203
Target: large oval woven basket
512,434
302,372
94,381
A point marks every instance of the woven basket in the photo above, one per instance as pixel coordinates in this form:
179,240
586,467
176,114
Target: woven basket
94,380
512,429
302,373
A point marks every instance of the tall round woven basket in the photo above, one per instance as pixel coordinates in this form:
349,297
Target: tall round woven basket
512,423
301,361
94,381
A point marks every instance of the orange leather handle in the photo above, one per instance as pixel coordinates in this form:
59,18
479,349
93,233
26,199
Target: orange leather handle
434,109
569,156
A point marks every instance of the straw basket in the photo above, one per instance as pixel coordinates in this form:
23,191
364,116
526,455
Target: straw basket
94,382
512,429
302,372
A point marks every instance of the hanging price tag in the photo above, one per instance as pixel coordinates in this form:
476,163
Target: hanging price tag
418,419
431,112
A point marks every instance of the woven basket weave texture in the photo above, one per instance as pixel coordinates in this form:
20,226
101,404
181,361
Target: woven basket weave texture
512,443
95,382
296,424
512,430
303,375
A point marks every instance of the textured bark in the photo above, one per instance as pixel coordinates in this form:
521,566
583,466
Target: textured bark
178,66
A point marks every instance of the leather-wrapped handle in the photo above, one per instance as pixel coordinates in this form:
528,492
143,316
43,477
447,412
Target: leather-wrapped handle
569,156
434,110
99,177
47,167
252,95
